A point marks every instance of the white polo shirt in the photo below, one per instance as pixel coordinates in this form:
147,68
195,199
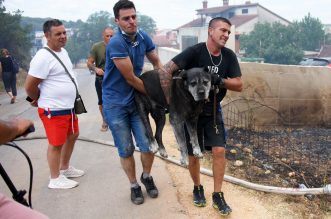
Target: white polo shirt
57,91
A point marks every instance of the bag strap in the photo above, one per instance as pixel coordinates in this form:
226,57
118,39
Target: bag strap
65,68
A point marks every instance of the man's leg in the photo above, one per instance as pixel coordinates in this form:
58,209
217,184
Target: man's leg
104,126
67,150
57,181
98,88
218,167
129,167
194,169
147,161
199,199
53,158
218,171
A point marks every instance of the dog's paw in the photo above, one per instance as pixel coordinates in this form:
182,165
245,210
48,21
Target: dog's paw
163,153
183,162
154,147
197,153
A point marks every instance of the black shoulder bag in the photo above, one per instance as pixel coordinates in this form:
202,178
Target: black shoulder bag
79,105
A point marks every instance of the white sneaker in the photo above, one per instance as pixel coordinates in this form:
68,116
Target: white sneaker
72,172
62,182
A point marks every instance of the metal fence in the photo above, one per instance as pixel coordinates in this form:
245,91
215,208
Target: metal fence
281,154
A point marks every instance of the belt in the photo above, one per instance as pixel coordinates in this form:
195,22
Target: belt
59,112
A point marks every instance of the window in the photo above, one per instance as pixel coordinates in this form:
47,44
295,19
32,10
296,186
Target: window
244,11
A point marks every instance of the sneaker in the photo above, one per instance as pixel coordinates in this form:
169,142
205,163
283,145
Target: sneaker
220,204
62,182
137,195
72,172
199,199
150,186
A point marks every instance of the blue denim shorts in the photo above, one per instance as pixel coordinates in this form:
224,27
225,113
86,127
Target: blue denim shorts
124,121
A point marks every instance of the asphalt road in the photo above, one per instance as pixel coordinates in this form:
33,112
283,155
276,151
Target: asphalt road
104,190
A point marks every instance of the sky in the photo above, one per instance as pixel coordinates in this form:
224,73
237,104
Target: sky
167,13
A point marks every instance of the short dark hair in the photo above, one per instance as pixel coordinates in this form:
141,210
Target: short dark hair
122,4
211,22
51,23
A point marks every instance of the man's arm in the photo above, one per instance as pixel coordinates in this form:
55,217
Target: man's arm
32,89
91,65
165,74
124,65
10,129
154,59
234,84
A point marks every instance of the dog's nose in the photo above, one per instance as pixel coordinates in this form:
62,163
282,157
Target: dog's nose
201,92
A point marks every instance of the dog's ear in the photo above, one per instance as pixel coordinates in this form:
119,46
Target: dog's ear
183,75
206,69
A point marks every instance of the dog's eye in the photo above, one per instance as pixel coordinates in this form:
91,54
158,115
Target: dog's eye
205,82
193,84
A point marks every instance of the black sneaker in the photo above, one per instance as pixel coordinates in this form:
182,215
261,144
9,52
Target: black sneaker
220,204
150,186
199,199
137,195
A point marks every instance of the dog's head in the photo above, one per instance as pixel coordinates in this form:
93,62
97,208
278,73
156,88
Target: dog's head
197,81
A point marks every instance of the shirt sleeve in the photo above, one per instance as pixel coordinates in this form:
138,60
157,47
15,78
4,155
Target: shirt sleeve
116,48
185,58
234,70
40,65
150,46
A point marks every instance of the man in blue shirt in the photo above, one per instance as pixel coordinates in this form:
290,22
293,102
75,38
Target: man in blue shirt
124,63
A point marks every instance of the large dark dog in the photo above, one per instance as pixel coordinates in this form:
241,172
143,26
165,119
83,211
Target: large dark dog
189,90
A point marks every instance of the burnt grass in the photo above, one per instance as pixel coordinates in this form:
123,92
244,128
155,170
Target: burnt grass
281,157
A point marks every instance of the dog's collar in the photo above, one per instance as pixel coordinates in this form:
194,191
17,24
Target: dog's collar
177,77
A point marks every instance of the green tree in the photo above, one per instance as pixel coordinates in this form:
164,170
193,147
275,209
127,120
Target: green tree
276,43
147,24
310,33
85,34
80,43
14,37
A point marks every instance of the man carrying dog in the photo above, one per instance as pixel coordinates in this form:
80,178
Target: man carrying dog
96,63
125,59
225,73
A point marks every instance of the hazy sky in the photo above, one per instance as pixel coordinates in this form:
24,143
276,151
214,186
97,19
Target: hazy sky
166,13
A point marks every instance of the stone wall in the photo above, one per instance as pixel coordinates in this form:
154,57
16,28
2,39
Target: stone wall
284,95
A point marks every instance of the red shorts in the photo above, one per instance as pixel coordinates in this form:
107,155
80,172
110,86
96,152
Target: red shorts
58,126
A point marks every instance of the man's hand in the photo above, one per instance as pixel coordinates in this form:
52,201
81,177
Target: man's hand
217,80
99,71
9,130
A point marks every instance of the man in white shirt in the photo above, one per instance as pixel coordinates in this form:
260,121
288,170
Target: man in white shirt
52,90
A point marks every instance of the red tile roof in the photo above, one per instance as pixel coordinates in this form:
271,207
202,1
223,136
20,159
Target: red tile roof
241,19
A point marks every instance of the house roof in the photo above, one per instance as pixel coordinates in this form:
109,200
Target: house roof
241,19
214,10
235,20
199,22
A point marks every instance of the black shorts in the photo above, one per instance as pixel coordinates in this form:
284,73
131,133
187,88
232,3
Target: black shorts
207,135
98,88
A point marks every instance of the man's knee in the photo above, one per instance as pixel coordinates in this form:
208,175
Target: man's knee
218,152
193,161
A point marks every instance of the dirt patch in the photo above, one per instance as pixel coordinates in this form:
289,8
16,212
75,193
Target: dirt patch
245,203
